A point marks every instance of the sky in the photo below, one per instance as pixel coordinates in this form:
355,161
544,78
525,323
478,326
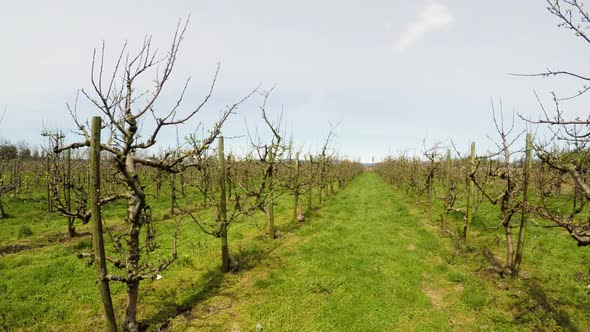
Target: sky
395,76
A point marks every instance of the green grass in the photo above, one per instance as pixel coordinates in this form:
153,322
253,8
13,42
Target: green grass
45,287
551,292
358,266
367,260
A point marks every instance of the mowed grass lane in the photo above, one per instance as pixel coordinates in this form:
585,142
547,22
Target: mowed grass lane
363,262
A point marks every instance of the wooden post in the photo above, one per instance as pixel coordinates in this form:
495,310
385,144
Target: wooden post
525,200
158,182
67,192
449,169
470,197
48,179
321,186
172,193
270,209
449,166
182,185
97,240
296,184
223,208
310,189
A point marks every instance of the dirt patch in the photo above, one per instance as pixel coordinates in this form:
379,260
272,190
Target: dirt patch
46,240
235,327
436,296
217,304
429,225
65,238
250,279
15,248
433,260
411,247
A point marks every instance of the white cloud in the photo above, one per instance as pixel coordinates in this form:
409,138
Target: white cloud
433,16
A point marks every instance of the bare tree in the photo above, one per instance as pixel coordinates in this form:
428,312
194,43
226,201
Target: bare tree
566,150
233,197
9,168
128,114
270,154
9,179
433,158
506,177
324,159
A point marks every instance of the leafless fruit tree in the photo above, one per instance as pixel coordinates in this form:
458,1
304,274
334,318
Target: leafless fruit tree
567,150
134,121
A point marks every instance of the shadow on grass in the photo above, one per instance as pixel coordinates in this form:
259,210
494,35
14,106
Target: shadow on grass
536,305
167,308
208,286
294,225
249,258
496,266
540,307
211,283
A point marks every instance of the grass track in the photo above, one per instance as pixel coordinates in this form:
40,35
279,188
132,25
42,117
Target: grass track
364,262
368,260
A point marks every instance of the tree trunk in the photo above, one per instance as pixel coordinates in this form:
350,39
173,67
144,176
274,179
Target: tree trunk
2,212
225,257
130,322
429,185
466,229
71,227
270,214
135,218
509,245
295,204
507,212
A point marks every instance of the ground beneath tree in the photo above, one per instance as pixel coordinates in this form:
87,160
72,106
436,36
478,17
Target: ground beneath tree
365,261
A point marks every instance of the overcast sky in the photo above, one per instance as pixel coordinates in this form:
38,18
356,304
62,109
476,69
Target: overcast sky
392,73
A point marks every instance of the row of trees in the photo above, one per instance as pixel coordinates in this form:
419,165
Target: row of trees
510,178
208,186
550,180
13,158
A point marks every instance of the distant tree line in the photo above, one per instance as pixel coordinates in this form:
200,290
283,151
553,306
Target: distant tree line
21,150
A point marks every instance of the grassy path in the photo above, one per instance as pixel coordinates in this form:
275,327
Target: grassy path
364,262
367,260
